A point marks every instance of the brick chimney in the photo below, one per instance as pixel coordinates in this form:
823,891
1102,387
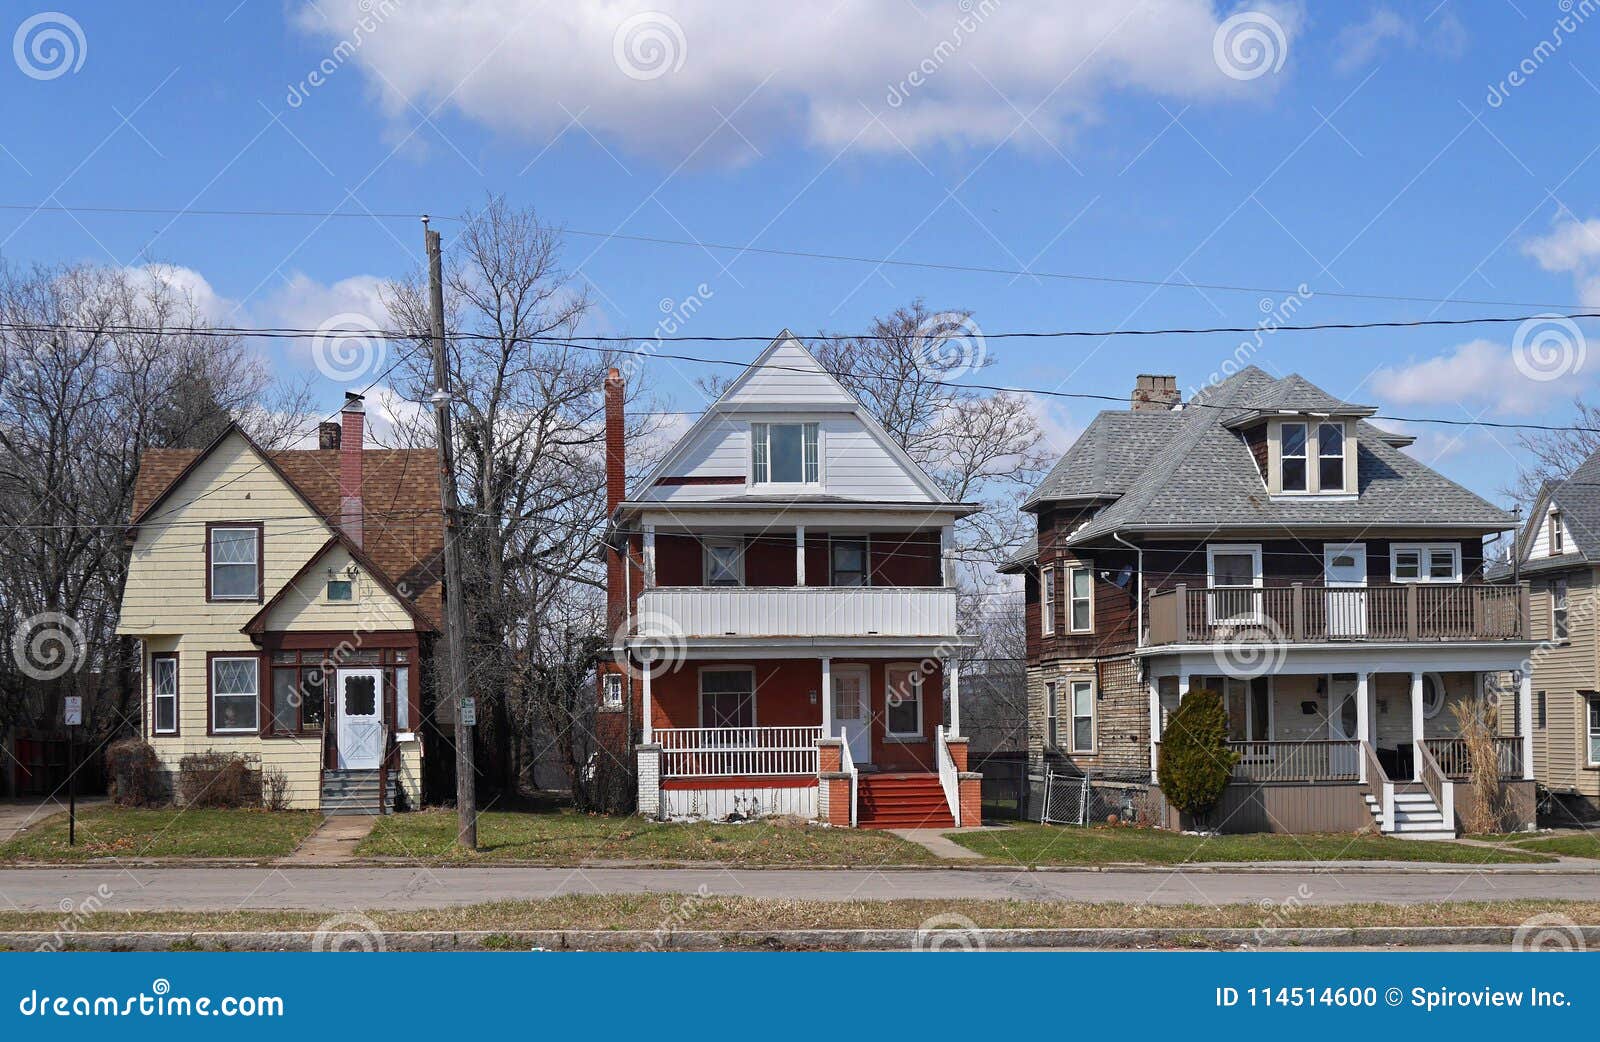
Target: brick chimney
349,441
328,435
1155,393
616,490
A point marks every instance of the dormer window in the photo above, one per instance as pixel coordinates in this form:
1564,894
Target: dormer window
1294,457
784,454
1312,457
1330,457
1558,544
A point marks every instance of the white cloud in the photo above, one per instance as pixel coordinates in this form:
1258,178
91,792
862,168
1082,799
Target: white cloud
1479,375
1573,247
304,303
186,285
814,72
1358,44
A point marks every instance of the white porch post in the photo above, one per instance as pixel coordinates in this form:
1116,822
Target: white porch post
800,567
1362,717
1416,727
1183,685
649,556
953,679
947,553
1525,721
648,729
1155,722
827,698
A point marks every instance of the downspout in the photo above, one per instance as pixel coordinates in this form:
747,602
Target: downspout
1138,601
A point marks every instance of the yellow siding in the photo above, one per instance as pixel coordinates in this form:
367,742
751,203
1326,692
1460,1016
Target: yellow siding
1561,671
164,603
306,607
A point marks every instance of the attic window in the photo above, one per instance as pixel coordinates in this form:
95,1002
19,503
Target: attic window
784,454
1557,542
1294,457
1312,457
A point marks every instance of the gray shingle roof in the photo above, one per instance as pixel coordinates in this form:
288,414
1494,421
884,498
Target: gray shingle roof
1108,456
1294,393
1203,473
1578,498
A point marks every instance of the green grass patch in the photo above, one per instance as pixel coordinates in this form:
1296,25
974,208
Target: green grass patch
1033,844
570,838
128,832
1575,845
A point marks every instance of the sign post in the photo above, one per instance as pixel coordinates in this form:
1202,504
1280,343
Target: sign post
72,710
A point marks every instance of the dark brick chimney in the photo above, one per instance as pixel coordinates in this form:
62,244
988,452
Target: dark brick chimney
349,441
328,435
1155,393
616,454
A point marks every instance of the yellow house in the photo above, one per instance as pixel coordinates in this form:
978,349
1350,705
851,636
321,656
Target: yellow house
287,603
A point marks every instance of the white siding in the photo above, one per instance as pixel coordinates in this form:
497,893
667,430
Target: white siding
718,804
1540,547
786,385
812,611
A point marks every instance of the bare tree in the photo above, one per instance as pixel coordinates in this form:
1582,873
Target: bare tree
1554,455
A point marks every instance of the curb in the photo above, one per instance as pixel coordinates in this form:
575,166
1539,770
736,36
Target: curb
356,938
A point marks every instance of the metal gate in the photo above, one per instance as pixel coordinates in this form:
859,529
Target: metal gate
1066,798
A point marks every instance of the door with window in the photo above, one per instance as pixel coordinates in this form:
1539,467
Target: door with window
1344,573
851,713
1344,717
727,703
1234,576
360,718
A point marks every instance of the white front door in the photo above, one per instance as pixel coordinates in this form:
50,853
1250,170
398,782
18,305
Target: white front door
1344,573
851,715
360,715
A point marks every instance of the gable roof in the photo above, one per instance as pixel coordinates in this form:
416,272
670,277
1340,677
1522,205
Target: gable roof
1194,471
1577,496
402,533
258,621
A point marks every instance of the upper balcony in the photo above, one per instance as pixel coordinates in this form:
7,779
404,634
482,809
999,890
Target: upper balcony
669,613
1301,613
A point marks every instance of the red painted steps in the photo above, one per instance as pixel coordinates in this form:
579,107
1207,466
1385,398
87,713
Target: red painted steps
902,801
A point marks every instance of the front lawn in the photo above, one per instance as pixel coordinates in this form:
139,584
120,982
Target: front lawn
1575,845
570,838
1033,844
128,832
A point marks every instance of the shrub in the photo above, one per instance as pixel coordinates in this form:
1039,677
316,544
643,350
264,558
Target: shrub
275,789
1482,805
1195,761
136,777
218,779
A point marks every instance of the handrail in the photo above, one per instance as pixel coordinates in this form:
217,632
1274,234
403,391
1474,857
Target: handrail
1376,778
1439,785
847,764
947,774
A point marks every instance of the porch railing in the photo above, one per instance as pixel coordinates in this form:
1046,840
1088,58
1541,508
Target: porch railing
723,752
948,779
847,765
1438,784
1303,613
1297,761
1455,760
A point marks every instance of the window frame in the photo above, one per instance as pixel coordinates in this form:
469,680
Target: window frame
1592,728
259,528
1424,552
1047,600
761,459
1323,457
212,659
1541,707
157,659
865,544
1258,581
1073,686
1074,570
1439,686
299,668
1052,694
609,682
1558,542
700,695
327,590
1304,456
914,671
738,545
394,660
1560,610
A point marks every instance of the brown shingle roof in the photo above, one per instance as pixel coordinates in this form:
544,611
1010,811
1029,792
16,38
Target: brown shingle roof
402,533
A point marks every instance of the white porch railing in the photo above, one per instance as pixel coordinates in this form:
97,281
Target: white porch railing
676,612
947,774
724,752
847,764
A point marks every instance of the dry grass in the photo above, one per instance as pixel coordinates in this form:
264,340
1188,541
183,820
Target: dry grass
130,832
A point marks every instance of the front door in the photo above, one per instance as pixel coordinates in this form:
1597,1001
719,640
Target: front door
1343,723
360,714
851,715
1344,573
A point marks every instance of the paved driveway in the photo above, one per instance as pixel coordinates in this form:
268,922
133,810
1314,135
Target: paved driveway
199,889
18,814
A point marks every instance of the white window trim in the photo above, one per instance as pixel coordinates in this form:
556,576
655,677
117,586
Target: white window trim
1313,457
1556,536
1344,438
1306,456
765,426
1566,589
1052,710
611,684
725,667
1423,551
866,559
156,697
1444,695
355,590
1257,580
1047,600
705,565
255,662
862,673
1073,683
1590,731
256,592
914,670
1071,599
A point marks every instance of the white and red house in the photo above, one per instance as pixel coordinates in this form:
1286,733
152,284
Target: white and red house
782,592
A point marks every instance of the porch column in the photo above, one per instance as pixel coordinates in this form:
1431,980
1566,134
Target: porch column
648,728
1362,724
649,556
800,570
1154,685
1416,727
1183,685
953,680
827,698
1525,721
947,553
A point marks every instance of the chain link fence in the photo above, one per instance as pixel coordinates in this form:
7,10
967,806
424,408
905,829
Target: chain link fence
1096,797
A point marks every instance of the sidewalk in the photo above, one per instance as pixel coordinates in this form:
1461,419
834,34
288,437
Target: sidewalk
334,842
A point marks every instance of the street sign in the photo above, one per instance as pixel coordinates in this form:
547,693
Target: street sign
469,711
72,705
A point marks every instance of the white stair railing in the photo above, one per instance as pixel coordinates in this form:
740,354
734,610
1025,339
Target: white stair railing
947,774
847,764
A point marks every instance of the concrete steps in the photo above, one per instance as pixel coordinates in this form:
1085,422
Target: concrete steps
902,801
1416,816
355,792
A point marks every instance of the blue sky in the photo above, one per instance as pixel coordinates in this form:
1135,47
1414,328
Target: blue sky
1355,149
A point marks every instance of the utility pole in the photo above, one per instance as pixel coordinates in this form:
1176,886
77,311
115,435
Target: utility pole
455,590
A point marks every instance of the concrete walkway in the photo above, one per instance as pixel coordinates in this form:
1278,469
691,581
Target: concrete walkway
19,814
937,843
353,888
334,841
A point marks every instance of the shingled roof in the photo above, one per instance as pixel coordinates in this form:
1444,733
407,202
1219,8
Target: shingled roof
402,533
1578,498
1188,468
